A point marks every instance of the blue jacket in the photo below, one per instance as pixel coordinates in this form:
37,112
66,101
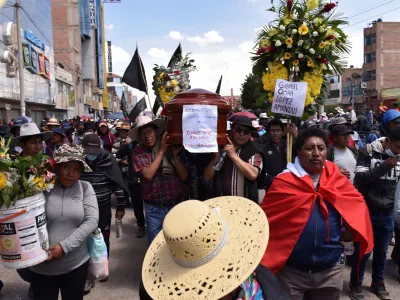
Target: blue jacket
312,253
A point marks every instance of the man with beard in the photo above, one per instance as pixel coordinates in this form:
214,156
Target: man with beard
106,179
241,163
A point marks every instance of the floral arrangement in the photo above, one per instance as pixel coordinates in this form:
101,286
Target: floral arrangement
304,43
24,176
172,80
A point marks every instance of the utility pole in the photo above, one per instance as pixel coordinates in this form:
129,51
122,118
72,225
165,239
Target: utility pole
20,59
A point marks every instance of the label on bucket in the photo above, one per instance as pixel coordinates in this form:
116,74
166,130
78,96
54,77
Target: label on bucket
23,239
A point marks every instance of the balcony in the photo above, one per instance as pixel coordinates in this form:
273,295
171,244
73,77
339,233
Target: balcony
61,101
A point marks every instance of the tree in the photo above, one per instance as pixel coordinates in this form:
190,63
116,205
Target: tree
251,90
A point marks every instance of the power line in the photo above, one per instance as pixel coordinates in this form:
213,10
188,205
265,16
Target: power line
372,17
363,12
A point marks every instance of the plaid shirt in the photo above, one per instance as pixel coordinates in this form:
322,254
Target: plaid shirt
161,188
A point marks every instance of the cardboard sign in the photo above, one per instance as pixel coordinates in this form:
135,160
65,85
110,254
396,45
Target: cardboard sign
289,98
199,128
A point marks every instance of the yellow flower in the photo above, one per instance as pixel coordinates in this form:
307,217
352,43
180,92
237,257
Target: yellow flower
265,43
296,62
322,45
165,95
174,83
275,71
289,41
303,29
314,81
3,181
287,55
312,4
272,31
286,20
310,63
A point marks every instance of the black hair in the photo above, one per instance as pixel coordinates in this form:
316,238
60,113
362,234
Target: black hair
394,134
154,126
274,122
26,139
310,132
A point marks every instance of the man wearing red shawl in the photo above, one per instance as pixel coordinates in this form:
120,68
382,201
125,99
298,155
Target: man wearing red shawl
311,208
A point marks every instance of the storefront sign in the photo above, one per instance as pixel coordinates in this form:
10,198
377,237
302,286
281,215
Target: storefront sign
390,93
44,66
199,128
33,66
109,58
33,39
26,55
92,12
71,98
289,98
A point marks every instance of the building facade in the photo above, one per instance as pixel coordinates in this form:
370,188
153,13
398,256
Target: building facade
381,63
38,58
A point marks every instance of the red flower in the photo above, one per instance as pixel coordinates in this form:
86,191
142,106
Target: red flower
323,60
52,162
167,77
177,73
328,7
269,49
289,4
330,37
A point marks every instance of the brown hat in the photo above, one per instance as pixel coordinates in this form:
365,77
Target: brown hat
125,126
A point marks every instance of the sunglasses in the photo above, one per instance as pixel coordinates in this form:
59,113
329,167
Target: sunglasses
246,131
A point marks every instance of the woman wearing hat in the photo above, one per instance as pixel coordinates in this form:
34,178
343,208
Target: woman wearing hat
56,141
211,250
72,215
106,136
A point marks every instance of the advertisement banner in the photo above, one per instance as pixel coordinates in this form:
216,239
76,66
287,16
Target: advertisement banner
71,99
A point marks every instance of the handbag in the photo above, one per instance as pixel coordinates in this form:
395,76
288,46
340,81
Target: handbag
98,262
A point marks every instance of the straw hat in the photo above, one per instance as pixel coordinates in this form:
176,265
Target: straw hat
118,125
30,129
53,122
145,120
206,249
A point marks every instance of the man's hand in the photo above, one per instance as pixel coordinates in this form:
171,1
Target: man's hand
164,143
230,149
345,172
125,162
291,129
176,149
56,252
120,213
391,162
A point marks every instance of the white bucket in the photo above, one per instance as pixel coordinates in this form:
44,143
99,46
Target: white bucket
24,237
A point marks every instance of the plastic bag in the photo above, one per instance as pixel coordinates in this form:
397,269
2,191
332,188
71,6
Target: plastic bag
98,263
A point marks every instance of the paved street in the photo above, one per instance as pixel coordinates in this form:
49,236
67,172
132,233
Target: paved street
125,265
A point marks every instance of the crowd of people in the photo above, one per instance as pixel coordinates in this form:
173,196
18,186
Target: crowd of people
336,203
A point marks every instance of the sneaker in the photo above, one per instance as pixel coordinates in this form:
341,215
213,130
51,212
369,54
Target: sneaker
105,279
141,232
379,289
88,286
356,292
30,293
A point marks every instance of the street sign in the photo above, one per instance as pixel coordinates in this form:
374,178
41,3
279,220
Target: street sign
364,85
109,58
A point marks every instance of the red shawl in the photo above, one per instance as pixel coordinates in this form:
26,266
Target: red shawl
288,205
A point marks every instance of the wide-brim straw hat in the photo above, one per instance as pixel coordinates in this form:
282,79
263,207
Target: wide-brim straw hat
206,249
30,129
53,122
143,121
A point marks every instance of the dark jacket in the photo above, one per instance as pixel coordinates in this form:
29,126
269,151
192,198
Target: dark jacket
250,187
374,179
273,164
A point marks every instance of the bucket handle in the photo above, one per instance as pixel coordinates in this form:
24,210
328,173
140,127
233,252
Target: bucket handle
13,216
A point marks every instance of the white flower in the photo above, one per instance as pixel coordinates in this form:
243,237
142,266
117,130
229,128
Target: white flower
315,33
282,28
282,59
306,15
297,69
324,67
315,21
301,55
312,51
290,46
278,43
168,83
294,31
322,29
300,43
294,17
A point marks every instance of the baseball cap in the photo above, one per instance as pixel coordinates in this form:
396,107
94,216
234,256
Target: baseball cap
59,131
91,144
341,130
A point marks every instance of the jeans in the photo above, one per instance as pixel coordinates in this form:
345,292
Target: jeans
71,284
383,226
155,216
137,202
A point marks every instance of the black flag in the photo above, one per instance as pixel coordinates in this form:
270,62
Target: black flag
177,56
156,106
218,91
123,104
134,74
137,109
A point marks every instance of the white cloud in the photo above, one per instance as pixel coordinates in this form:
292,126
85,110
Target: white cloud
109,26
210,37
157,53
175,35
256,30
119,54
246,46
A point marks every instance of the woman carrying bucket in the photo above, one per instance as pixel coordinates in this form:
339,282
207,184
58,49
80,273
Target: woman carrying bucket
72,215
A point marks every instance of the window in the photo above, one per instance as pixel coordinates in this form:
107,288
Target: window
334,94
370,75
347,91
370,39
357,90
59,87
370,57
373,38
